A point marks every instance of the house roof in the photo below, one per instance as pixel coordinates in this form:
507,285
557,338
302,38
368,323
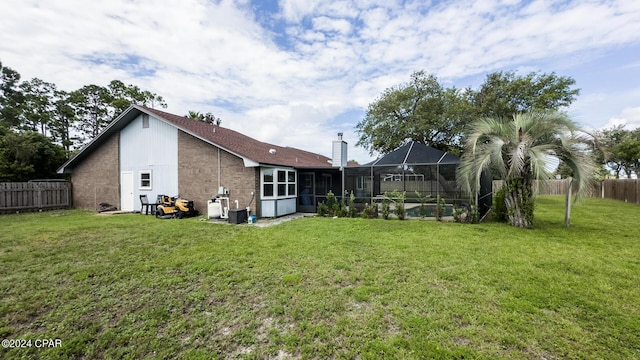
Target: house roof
415,153
252,151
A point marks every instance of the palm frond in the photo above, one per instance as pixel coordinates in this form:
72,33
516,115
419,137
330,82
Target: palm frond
525,144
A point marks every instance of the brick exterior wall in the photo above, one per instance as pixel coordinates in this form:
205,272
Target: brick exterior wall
96,179
198,174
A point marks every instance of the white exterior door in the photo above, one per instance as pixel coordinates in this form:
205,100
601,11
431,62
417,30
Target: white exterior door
126,191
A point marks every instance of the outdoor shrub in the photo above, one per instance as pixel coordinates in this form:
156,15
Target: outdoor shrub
323,209
335,208
369,211
499,206
474,214
331,200
352,210
439,210
422,210
386,210
400,211
466,214
398,198
459,214
339,210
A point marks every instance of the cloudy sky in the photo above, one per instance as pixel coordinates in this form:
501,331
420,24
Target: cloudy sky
296,72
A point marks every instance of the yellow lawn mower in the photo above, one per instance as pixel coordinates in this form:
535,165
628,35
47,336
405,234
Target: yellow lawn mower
175,207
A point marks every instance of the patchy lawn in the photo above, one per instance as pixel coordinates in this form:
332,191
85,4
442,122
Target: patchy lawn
132,286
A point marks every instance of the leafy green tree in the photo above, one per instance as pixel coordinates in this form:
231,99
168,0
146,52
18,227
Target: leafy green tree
29,155
10,97
124,95
152,100
519,150
91,103
627,151
620,150
120,96
63,122
37,105
505,93
421,110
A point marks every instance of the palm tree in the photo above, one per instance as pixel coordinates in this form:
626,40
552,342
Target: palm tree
195,115
522,149
209,118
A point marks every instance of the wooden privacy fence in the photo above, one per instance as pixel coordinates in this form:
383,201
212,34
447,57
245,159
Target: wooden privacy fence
34,196
627,190
551,187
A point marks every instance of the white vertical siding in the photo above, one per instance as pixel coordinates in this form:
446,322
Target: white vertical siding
152,149
286,206
268,208
279,207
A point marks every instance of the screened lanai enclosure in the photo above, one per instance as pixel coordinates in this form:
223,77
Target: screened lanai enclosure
422,172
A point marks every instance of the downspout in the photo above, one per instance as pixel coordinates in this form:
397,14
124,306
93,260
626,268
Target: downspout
219,184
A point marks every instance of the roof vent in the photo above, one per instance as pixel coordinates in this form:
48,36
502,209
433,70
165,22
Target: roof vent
272,151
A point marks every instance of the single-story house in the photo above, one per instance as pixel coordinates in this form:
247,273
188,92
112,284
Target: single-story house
152,152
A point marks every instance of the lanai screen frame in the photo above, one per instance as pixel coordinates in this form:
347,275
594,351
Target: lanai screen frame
413,159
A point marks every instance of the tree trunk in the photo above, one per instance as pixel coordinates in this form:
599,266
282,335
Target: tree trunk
519,202
567,205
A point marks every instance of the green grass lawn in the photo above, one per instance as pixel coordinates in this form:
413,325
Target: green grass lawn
132,286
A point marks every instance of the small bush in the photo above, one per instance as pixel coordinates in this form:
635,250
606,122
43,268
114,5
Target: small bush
352,210
422,210
335,208
339,210
369,212
386,209
459,214
499,206
400,211
474,214
331,200
439,210
398,198
466,214
323,209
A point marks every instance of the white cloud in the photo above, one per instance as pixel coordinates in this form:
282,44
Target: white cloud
324,23
295,10
629,118
215,56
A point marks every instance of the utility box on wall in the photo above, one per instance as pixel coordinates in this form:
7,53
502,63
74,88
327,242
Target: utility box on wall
339,153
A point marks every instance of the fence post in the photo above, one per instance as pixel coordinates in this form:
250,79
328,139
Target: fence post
38,196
